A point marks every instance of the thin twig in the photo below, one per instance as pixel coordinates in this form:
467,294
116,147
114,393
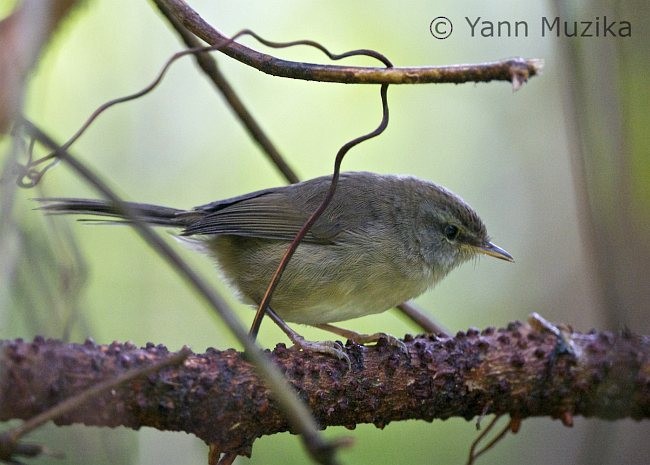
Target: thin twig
32,176
421,319
474,454
514,70
257,321
479,438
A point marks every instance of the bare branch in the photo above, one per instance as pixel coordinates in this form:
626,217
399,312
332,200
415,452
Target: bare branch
515,70
9,445
218,396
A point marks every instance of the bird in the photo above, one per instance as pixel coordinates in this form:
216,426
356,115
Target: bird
381,241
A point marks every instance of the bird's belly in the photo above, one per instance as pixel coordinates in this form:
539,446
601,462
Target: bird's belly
342,301
328,310
317,288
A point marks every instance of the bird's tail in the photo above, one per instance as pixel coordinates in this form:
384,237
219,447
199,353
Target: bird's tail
152,214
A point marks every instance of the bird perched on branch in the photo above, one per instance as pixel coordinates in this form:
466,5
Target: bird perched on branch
383,239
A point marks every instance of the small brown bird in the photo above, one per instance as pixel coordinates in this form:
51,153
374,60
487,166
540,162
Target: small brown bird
384,239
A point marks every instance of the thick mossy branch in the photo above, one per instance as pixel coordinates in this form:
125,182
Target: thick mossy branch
218,396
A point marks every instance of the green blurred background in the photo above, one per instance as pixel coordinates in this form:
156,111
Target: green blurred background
559,171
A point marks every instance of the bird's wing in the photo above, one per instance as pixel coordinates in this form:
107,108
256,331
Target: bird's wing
276,213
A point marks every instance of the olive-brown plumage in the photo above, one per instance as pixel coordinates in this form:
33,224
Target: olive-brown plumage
384,239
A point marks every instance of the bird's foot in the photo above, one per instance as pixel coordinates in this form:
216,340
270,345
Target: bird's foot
331,348
370,338
365,338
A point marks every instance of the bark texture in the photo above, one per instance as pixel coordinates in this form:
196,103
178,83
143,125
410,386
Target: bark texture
217,396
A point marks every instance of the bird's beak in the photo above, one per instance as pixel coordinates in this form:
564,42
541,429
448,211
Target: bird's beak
495,251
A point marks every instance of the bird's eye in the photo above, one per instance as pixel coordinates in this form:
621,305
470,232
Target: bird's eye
451,232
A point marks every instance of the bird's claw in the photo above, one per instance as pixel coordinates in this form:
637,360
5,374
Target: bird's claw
330,348
391,340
